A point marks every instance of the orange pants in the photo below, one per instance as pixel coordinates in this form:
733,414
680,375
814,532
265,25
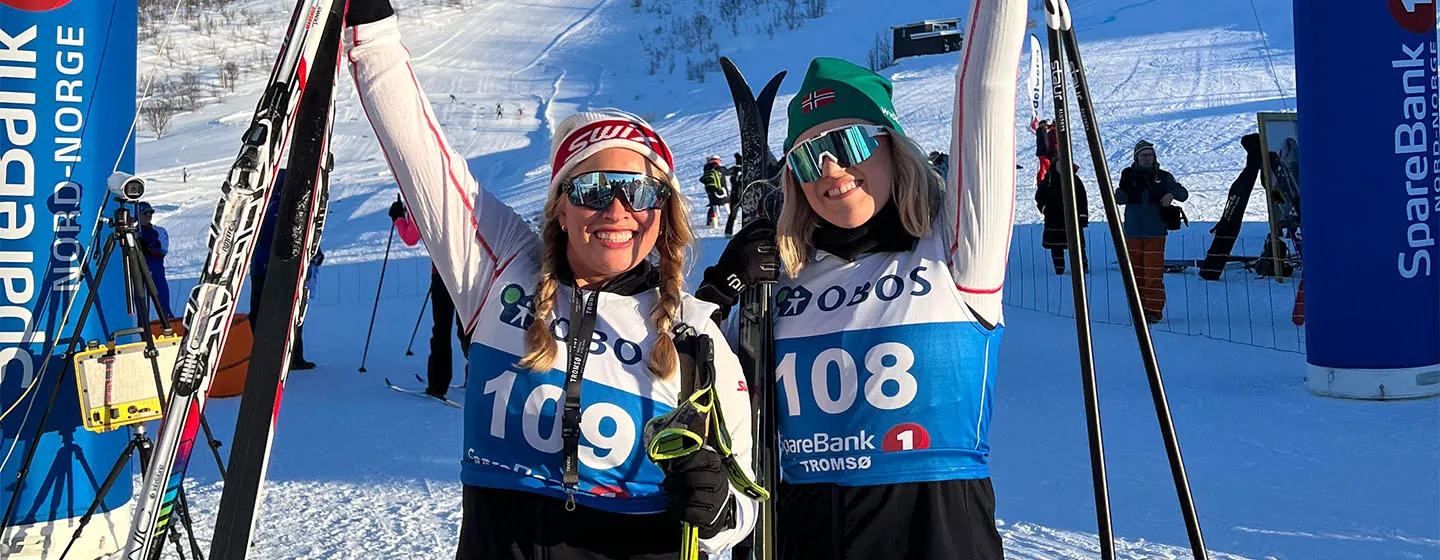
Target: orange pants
1147,255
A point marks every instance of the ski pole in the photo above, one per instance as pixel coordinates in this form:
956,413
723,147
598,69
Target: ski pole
423,305
1057,18
1132,290
378,285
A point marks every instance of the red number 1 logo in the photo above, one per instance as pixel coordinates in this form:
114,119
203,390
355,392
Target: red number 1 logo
906,437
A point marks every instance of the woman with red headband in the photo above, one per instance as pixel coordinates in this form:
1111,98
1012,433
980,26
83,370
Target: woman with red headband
553,463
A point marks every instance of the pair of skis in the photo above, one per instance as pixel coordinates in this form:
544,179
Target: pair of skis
295,112
424,395
760,197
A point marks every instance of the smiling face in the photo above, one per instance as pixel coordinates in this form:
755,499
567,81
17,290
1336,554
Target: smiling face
605,243
849,197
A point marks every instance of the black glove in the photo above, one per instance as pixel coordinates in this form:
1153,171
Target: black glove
368,11
699,492
397,210
752,256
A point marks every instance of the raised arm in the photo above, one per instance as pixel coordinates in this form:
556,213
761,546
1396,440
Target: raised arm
979,209
471,235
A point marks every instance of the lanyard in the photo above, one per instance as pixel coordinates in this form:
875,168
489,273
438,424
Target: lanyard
582,326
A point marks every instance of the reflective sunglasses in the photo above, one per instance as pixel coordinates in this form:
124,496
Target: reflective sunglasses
846,146
597,189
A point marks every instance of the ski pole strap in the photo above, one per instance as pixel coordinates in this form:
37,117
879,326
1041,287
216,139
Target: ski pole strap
739,479
582,326
697,380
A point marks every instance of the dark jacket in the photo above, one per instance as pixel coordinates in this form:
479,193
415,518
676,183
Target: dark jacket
1140,191
713,178
737,176
1048,200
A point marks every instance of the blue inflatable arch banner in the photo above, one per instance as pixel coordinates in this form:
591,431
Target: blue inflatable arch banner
67,100
1371,110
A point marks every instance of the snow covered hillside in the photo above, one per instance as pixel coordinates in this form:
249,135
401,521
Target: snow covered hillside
1277,473
1187,77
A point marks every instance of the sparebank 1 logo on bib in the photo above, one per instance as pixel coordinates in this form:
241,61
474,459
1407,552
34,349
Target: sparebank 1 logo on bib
1416,16
35,5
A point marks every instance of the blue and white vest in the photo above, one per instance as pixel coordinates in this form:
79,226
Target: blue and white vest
512,429
885,375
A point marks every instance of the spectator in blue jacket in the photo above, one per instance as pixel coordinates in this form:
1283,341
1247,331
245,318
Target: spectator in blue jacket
1144,189
155,244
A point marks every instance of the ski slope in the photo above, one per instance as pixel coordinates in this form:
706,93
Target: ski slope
362,472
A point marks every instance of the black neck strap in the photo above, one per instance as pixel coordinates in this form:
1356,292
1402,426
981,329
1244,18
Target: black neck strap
582,327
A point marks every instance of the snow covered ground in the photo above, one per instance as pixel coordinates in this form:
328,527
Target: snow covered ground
362,472
1276,472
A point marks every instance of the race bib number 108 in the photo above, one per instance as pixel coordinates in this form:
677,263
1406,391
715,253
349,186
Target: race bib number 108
853,403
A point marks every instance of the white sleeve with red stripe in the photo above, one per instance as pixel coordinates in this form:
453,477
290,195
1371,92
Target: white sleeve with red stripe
469,233
979,207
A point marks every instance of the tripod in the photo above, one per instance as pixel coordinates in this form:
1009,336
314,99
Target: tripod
140,294
141,443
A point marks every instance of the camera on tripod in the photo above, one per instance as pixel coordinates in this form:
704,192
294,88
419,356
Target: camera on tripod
126,187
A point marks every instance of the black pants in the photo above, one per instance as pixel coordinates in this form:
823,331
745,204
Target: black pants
1058,257
511,525
438,371
953,519
734,210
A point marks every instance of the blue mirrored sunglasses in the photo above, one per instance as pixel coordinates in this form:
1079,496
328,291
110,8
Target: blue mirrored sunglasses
846,145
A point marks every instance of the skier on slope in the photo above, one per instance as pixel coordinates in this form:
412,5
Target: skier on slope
612,202
893,280
712,177
438,365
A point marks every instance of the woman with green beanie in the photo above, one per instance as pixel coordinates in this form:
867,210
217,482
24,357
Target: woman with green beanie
888,318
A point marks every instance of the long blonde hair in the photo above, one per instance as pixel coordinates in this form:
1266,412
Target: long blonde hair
917,192
675,236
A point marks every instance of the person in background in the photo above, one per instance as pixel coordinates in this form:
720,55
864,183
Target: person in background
1051,205
260,259
1144,189
713,178
155,244
940,162
438,369
737,175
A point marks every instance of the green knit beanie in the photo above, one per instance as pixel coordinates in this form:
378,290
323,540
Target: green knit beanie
837,89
